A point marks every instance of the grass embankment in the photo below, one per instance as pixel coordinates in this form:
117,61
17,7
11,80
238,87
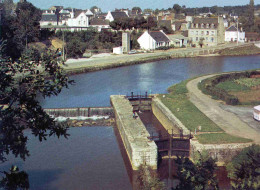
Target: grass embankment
178,102
246,50
245,89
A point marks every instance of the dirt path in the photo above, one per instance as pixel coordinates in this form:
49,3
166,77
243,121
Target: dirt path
228,121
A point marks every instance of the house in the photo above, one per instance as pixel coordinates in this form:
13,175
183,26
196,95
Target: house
232,34
178,40
49,20
99,24
78,18
257,113
111,16
180,25
209,30
151,40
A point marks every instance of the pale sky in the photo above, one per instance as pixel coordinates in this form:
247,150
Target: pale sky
107,5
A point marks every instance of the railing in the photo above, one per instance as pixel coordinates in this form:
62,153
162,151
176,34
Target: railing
139,96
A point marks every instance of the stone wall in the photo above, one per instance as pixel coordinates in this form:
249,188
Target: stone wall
223,152
166,117
134,135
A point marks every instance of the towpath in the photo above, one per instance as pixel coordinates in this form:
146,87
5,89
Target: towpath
228,121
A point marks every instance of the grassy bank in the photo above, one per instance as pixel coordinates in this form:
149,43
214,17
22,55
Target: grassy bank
247,50
178,102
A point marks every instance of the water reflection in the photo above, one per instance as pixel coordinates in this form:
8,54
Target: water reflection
89,159
94,89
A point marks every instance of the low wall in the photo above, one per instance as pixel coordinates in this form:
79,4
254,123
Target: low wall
167,119
222,152
77,112
139,148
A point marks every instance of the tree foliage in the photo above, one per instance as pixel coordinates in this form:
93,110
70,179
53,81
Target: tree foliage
138,10
244,169
21,28
177,8
198,175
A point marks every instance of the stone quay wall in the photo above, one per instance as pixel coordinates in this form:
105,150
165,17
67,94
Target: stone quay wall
140,150
167,119
222,152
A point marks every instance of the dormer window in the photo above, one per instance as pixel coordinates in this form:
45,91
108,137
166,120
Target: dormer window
207,26
212,26
192,25
197,25
202,25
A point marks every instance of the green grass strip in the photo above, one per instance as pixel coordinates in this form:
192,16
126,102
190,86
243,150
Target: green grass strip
220,138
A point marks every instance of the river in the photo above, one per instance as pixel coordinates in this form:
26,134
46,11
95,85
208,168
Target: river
91,157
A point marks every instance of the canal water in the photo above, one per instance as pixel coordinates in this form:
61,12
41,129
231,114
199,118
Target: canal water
91,158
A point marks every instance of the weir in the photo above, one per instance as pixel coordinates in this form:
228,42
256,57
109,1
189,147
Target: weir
80,112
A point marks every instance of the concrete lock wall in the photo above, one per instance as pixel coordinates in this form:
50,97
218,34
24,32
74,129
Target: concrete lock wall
222,152
134,135
167,119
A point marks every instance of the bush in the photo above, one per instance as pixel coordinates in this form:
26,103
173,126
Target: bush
163,48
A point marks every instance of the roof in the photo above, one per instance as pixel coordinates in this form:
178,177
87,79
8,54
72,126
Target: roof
159,36
257,108
178,24
165,23
118,15
231,29
97,21
77,13
89,13
176,36
205,21
49,18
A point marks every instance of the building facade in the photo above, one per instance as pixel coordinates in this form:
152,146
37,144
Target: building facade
210,31
232,34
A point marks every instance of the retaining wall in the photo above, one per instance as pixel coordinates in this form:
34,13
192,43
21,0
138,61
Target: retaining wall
222,152
139,148
167,119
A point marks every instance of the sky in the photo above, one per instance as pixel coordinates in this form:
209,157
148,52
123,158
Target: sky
107,5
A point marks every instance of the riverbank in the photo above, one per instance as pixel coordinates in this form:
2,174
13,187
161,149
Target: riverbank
107,62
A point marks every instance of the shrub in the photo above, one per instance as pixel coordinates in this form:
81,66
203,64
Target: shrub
163,48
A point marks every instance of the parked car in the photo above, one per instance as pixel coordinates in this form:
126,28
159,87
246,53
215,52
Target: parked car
132,52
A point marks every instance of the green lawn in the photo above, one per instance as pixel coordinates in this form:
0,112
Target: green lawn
220,138
178,102
232,86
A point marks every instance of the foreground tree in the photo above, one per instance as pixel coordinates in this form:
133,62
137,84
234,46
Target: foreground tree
20,83
244,169
197,175
21,28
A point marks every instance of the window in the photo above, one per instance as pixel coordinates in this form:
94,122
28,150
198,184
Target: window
79,22
212,33
197,25
207,39
212,25
197,32
202,32
192,32
207,32
212,39
197,39
207,25
202,25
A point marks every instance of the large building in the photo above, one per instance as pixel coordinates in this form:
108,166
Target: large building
209,30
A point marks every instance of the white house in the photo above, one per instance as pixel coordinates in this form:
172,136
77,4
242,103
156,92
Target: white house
257,113
232,34
78,19
153,39
49,20
111,16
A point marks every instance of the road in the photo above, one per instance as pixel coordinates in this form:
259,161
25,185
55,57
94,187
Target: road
228,121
